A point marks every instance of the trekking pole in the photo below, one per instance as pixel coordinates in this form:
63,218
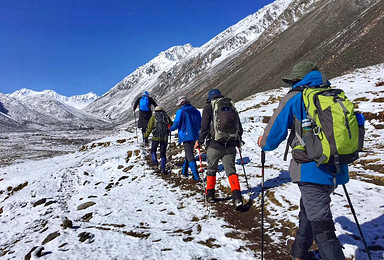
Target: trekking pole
201,170
137,137
245,174
262,203
170,146
357,222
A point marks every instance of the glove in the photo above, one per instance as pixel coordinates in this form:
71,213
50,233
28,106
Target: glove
259,141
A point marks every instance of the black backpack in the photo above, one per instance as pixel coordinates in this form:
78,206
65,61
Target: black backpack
161,124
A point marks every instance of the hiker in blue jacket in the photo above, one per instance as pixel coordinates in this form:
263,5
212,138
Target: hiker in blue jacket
315,183
187,122
145,103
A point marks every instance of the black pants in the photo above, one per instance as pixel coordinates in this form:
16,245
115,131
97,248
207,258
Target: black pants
163,148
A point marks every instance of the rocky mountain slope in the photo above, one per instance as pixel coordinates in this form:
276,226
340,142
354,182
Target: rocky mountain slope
252,55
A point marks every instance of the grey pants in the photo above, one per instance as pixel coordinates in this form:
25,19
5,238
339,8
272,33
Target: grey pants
227,156
316,201
315,222
188,149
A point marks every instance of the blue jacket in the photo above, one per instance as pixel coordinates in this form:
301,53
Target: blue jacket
187,121
291,111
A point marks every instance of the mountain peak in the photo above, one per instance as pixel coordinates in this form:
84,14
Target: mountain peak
177,53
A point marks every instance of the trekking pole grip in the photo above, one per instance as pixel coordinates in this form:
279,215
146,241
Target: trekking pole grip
262,157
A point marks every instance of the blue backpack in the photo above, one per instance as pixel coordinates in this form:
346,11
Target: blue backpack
144,103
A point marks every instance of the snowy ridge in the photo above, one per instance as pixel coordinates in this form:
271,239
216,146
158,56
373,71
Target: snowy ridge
242,34
77,101
119,207
161,63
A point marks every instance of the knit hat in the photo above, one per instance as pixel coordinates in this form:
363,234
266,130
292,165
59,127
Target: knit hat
158,108
213,93
145,93
300,69
182,100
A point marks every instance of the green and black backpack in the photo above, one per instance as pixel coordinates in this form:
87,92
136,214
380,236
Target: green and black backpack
333,136
162,121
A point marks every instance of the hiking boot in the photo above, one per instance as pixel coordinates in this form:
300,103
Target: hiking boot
210,194
238,203
289,244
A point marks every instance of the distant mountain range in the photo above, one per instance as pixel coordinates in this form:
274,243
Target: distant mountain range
30,110
249,57
78,101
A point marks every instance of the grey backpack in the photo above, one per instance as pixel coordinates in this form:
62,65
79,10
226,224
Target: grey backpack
225,127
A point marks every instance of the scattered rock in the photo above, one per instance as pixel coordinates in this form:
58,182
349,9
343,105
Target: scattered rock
85,205
67,223
109,186
51,237
50,202
29,255
39,202
86,235
87,217
128,168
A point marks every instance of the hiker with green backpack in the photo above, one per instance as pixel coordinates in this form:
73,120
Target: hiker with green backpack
326,135
221,131
158,125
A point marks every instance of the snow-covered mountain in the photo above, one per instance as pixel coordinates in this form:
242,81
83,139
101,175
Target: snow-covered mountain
116,104
105,202
46,110
253,54
77,101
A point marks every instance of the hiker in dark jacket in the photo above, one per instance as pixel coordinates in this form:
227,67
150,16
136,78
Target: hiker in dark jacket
224,151
158,126
315,183
187,121
145,112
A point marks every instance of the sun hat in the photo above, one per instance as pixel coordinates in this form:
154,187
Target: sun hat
300,69
158,108
182,100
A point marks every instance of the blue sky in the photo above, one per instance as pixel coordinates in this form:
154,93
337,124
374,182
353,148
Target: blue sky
77,46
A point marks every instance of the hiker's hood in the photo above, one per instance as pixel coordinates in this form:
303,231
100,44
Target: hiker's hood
188,108
313,78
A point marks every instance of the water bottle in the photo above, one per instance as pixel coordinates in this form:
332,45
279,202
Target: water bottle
306,124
